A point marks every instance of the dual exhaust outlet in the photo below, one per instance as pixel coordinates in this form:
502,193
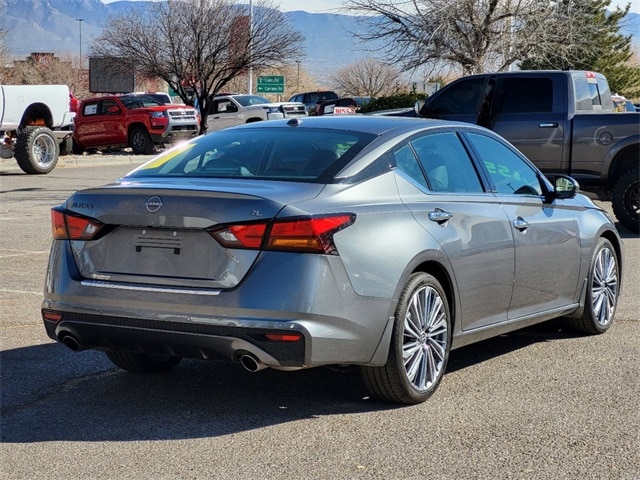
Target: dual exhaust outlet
249,361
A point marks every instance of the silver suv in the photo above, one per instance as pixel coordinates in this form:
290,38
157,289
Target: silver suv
231,110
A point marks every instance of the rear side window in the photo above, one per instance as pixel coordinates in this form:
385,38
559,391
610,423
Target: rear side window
525,95
447,164
305,155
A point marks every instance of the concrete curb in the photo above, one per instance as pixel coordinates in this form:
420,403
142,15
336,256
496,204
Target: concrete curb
9,165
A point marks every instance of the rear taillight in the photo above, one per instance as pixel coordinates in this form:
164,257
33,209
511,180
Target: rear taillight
248,235
68,226
310,235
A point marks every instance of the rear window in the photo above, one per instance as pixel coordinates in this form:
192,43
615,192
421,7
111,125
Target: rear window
293,154
525,95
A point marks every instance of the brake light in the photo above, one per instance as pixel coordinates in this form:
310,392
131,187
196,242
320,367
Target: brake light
310,235
314,235
67,226
241,236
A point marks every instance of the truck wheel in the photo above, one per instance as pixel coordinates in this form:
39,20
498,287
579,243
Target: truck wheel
140,141
76,148
66,146
36,150
625,200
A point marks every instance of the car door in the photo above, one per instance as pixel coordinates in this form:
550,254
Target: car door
114,124
101,124
438,182
224,112
89,129
547,245
527,111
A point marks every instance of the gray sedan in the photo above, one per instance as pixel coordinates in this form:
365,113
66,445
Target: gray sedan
376,242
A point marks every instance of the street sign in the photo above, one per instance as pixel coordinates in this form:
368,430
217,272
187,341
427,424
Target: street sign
271,84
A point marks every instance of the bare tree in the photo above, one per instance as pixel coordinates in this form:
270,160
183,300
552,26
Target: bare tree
200,45
48,69
367,78
4,47
471,35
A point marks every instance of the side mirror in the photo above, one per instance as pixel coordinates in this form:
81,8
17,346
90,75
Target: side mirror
418,106
113,110
565,187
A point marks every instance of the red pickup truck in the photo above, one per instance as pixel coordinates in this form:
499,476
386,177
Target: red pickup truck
138,121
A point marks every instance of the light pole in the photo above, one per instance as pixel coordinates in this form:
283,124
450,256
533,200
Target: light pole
80,20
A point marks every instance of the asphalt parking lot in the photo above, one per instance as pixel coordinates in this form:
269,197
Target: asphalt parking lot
541,403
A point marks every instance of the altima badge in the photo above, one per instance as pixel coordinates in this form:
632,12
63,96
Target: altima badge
154,204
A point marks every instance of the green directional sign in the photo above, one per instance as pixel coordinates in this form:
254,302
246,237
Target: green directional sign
271,84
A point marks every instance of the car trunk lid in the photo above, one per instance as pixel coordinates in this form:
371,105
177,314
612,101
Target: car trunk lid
159,234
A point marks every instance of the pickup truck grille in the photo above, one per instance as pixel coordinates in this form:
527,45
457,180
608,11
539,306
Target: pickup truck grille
182,114
294,110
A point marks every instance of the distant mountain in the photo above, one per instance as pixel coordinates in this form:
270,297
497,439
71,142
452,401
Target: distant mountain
53,26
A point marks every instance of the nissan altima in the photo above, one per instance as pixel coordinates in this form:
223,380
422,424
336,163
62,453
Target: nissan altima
378,243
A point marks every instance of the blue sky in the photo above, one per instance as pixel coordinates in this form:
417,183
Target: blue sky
333,6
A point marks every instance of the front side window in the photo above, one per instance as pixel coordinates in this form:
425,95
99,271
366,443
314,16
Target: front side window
509,173
462,97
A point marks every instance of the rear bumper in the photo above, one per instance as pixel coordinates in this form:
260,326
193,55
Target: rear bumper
285,293
177,339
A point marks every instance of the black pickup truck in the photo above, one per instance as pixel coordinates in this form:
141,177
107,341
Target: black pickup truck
564,121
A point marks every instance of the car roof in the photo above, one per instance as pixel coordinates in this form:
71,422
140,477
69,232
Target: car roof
372,124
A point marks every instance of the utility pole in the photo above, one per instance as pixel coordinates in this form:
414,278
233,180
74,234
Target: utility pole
80,20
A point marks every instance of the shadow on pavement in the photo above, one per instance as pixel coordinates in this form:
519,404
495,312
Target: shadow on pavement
52,394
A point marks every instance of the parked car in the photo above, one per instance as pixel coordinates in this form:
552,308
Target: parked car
134,120
229,110
339,106
312,99
621,104
377,242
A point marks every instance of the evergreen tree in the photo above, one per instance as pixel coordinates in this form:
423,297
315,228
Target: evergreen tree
595,43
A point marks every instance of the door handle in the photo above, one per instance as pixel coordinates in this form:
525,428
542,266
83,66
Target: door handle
520,224
440,216
548,125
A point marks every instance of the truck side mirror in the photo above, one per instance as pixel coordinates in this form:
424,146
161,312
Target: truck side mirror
418,106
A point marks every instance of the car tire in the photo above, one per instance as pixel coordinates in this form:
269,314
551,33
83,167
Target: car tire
602,291
76,148
139,363
66,146
140,141
625,198
420,345
36,150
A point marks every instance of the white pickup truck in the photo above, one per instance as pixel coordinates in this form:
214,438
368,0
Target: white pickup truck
36,124
229,110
